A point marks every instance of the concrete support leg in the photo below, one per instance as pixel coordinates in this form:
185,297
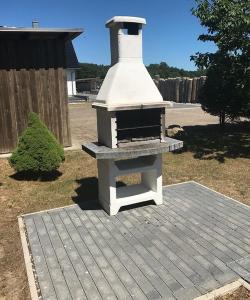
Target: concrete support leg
153,179
107,186
112,198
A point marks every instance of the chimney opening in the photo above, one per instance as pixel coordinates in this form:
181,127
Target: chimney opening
131,28
35,24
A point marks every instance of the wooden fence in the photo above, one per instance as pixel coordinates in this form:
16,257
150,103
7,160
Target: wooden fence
183,90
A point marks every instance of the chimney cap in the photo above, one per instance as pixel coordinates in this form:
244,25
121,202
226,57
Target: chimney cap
125,19
35,24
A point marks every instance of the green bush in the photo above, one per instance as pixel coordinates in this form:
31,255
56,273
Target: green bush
38,150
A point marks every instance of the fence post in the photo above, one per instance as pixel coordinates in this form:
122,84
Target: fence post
177,89
189,89
181,89
193,95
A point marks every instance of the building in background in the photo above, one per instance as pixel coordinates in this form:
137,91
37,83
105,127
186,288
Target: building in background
88,85
33,78
72,65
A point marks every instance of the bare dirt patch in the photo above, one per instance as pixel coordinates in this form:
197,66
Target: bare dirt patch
240,294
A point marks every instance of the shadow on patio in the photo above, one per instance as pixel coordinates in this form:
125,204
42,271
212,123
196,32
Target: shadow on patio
88,189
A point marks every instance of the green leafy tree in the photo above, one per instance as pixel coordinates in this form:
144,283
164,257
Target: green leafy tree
165,71
93,70
88,70
226,92
38,150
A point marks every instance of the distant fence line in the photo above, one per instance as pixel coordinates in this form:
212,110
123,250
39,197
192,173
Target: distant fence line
180,89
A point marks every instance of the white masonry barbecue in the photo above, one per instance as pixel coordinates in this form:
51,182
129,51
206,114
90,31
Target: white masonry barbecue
131,108
130,122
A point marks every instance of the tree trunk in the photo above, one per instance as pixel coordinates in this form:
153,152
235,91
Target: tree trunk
222,118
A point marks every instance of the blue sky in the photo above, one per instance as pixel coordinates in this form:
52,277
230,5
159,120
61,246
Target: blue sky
170,34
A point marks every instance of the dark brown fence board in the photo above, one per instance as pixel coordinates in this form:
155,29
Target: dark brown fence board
181,89
32,78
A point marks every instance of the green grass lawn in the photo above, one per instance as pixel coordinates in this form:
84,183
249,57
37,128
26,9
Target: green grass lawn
214,157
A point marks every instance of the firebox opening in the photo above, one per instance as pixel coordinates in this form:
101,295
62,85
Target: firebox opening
138,125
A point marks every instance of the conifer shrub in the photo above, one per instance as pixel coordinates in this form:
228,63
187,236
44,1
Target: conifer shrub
37,151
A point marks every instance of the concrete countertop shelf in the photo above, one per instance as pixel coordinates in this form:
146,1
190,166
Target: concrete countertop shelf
102,152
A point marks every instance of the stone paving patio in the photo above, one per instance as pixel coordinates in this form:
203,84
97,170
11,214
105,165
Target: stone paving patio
198,240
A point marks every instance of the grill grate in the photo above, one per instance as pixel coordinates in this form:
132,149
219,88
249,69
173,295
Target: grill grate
138,125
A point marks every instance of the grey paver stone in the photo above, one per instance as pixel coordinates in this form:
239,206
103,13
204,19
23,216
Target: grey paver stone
197,241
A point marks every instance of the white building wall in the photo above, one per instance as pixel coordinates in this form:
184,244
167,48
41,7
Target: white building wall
71,82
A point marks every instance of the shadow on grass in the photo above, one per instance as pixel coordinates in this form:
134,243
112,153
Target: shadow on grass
41,176
213,142
87,193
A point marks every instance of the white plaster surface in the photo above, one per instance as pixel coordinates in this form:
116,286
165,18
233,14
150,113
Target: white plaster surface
127,81
71,82
112,198
127,19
